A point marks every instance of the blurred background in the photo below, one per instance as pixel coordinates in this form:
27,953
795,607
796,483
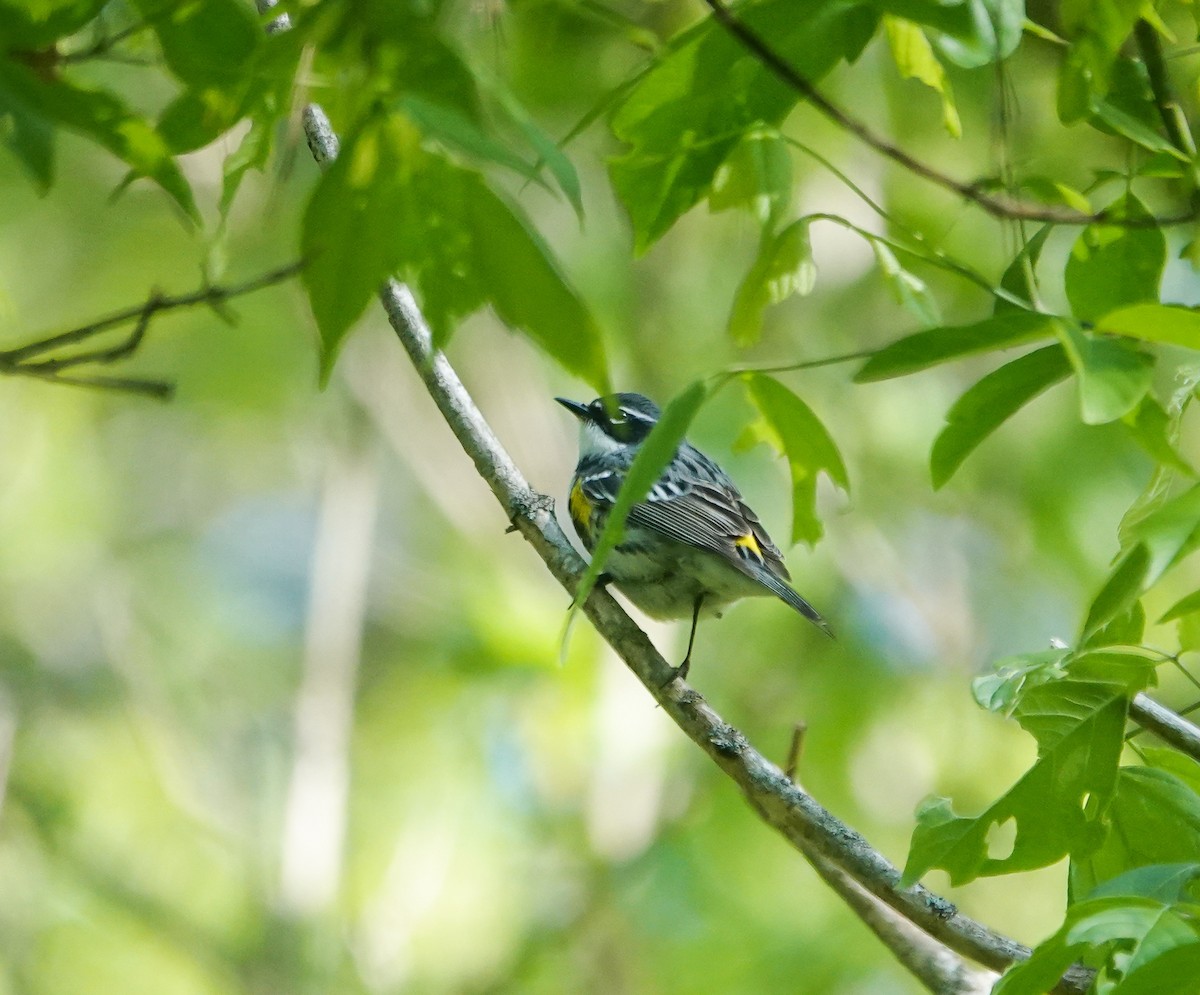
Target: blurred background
281,705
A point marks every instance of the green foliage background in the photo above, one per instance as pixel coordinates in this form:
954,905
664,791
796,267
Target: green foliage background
280,701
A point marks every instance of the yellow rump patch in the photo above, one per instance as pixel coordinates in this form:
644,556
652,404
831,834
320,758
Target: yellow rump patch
749,542
579,506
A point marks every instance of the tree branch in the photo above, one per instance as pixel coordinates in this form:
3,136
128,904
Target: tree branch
997,206
24,361
1166,725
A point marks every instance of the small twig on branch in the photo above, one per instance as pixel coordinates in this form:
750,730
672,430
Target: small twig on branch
793,757
24,361
997,206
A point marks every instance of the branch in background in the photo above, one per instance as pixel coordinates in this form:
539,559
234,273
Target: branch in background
24,360
1166,725
1150,49
796,815
998,207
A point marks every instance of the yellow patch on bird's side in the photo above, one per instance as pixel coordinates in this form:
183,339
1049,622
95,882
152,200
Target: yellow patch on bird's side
749,542
579,506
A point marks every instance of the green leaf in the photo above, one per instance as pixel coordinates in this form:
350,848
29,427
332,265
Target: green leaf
1128,126
915,59
457,132
939,345
457,243
791,427
1157,433
548,152
252,153
1097,29
908,289
1125,628
1151,947
102,117
1020,278
1169,533
679,121
1154,819
652,458
37,24
1111,267
784,266
970,33
1123,587
1057,806
1000,690
757,177
1079,727
1161,882
1166,323
206,43
1113,375
991,402
1186,605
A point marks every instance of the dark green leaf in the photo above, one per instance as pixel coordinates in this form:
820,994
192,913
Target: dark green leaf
206,43
102,117
991,402
1154,819
448,235
791,427
652,458
33,26
1079,726
940,345
784,266
680,122
1113,375
1097,29
1020,278
1111,267
1123,587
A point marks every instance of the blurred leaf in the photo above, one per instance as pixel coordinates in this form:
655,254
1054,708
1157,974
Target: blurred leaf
940,345
999,691
1113,375
1152,948
252,153
206,43
783,267
1020,278
1124,628
458,132
1184,606
990,403
1123,587
652,458
1154,819
548,151
915,59
1096,29
1111,267
680,121
1166,323
1128,126
1054,192
36,24
971,33
100,116
757,177
909,290
1169,533
795,432
448,235
1157,433
1057,803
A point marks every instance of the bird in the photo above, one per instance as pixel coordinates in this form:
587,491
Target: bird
692,546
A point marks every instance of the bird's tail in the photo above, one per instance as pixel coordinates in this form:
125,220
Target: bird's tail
787,595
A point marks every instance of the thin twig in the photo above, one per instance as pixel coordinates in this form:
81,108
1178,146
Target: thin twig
797,744
999,207
11,359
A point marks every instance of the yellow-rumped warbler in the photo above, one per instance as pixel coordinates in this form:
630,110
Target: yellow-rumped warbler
693,546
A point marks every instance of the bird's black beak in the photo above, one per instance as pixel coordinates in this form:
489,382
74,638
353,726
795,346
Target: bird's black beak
576,408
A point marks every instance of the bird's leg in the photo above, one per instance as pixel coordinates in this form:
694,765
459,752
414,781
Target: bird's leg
681,671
